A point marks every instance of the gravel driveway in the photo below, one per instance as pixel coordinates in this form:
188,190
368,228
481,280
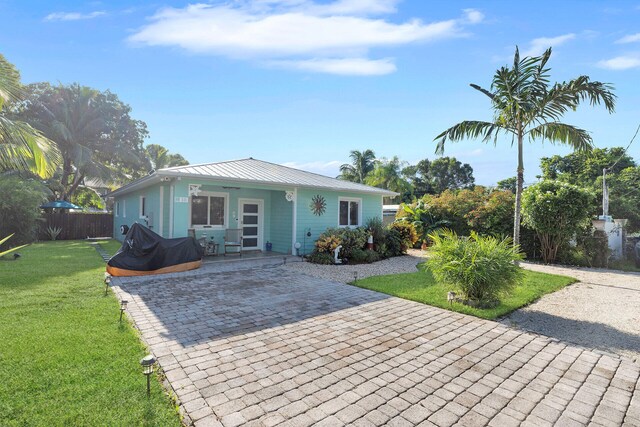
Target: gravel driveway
601,311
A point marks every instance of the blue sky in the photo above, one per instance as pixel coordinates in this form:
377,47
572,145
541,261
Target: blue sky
302,82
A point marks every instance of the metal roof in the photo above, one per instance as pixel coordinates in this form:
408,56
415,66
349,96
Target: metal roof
258,172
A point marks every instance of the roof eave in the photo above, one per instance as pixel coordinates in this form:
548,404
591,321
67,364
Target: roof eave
374,190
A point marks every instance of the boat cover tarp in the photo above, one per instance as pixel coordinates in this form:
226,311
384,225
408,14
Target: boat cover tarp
144,252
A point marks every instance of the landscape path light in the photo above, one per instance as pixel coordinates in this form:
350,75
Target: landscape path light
123,307
107,282
147,363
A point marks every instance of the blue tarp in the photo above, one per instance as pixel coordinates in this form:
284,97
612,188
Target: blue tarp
59,204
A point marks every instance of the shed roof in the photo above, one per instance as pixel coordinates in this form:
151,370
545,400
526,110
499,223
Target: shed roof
258,172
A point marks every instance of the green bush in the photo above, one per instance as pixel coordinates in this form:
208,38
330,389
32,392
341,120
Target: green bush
481,268
393,243
350,238
320,258
407,232
557,212
364,256
19,208
375,227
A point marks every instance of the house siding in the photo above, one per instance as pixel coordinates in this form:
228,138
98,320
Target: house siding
277,211
281,222
308,222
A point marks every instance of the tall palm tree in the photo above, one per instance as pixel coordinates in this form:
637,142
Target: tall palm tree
387,174
362,162
526,105
160,157
21,146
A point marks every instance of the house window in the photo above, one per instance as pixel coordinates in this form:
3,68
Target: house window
209,210
124,209
117,208
143,206
349,215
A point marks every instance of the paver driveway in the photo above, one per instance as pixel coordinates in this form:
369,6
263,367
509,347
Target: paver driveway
269,346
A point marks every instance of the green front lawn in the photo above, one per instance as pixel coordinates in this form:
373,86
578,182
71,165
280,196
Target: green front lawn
422,287
64,358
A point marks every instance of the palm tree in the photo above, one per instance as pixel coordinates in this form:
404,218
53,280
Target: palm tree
21,146
387,174
526,105
160,158
361,164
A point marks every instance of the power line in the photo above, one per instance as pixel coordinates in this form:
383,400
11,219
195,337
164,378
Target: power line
625,150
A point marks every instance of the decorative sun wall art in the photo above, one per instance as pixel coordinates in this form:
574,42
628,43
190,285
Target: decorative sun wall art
318,205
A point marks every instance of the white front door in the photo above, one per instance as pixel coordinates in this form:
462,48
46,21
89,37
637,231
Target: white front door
251,218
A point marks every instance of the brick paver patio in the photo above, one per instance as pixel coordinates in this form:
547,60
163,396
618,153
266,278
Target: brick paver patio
270,347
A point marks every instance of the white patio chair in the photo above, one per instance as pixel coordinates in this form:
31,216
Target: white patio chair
233,238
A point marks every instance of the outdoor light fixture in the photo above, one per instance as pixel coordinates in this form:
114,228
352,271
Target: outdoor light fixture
284,260
147,363
123,307
355,276
107,282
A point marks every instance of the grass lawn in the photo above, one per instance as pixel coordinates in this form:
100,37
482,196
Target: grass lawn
422,287
64,358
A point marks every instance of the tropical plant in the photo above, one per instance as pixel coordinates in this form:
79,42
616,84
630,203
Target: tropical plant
556,211
21,147
8,251
423,220
407,232
388,174
323,258
481,268
362,163
394,245
526,105
54,232
327,244
92,130
19,207
160,157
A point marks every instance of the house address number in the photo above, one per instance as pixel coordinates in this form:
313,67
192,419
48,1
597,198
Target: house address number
182,200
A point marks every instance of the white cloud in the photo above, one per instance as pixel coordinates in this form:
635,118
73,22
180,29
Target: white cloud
73,16
539,45
620,63
343,66
473,16
298,34
631,38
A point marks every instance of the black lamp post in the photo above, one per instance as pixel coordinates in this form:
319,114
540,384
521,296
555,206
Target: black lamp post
123,307
147,363
355,276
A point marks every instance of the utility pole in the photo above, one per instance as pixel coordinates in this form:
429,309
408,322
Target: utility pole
605,195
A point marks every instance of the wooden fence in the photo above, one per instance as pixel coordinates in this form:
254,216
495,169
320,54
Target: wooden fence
76,225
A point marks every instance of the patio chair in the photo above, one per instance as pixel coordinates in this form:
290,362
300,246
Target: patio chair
233,238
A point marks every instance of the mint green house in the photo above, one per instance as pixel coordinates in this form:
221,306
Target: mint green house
277,207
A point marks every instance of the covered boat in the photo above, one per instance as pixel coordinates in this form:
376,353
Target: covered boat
143,252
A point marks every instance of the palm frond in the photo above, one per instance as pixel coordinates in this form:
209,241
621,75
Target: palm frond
561,133
469,129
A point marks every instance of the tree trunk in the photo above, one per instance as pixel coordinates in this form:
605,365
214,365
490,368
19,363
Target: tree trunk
520,178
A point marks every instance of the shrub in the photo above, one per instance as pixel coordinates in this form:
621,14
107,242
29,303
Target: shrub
350,238
327,244
407,232
557,212
364,256
320,258
481,268
393,243
375,228
19,208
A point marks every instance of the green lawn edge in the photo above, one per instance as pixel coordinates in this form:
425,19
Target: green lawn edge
420,286
65,358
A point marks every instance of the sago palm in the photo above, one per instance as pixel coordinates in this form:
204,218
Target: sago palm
21,146
525,104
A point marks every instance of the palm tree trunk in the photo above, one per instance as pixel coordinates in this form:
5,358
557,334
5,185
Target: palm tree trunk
520,174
